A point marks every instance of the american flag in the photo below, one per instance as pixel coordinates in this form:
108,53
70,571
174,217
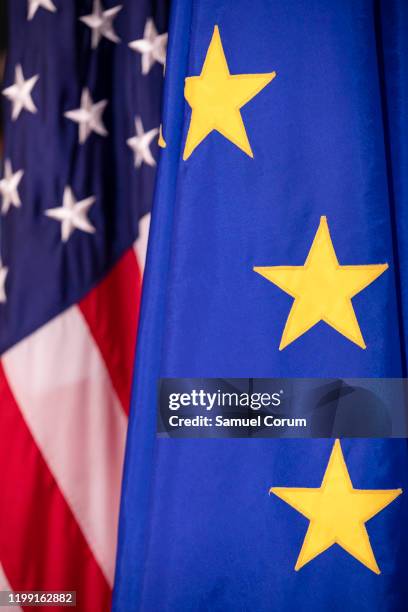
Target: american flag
81,96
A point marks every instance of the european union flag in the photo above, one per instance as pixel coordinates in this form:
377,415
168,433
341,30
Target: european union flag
278,249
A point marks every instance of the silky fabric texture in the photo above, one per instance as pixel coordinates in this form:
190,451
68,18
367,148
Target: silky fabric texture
198,529
45,279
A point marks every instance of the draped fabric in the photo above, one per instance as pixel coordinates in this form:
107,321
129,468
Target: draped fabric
329,136
74,216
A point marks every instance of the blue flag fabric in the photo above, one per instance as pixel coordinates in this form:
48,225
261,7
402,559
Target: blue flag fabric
327,148
51,45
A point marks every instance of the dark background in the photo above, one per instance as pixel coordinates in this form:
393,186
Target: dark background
3,45
3,23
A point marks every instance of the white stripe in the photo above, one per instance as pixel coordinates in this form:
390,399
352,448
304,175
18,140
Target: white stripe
63,389
140,246
5,586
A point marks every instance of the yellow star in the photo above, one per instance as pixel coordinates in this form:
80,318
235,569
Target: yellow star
216,97
322,289
337,513
161,142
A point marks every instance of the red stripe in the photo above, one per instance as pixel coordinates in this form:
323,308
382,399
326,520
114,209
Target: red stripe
41,545
112,310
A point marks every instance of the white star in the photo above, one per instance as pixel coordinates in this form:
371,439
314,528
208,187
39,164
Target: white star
72,214
101,23
140,144
152,46
20,93
89,116
8,187
3,276
34,5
